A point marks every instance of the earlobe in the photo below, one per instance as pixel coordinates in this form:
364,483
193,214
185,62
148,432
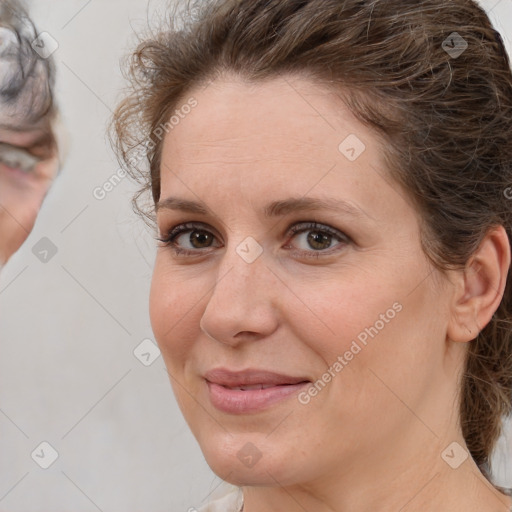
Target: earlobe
482,285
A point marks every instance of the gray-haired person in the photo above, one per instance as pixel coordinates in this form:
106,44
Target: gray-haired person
29,133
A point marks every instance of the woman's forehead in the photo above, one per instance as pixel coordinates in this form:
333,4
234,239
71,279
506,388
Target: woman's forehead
258,122
298,148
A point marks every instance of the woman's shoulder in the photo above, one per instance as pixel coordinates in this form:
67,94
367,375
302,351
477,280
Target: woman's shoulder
230,501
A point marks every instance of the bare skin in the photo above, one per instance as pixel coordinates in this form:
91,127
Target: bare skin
375,438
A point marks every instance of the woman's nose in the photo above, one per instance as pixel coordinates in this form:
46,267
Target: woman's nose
243,304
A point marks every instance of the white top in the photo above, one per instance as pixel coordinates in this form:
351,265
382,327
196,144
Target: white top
232,501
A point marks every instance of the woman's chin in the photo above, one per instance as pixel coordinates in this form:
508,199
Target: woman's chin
236,474
240,461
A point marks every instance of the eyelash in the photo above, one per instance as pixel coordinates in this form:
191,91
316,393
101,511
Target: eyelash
169,240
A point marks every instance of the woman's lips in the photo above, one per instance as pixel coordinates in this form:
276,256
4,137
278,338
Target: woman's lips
249,391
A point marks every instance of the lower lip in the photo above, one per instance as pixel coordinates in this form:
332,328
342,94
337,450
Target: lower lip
235,401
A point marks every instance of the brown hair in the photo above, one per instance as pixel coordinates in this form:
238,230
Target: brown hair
446,120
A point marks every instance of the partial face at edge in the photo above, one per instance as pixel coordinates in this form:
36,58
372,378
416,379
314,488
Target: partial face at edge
27,132
22,191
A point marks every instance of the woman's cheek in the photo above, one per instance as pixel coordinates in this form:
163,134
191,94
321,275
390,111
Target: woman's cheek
161,309
171,316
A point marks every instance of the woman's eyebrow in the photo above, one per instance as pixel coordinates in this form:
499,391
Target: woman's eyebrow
274,209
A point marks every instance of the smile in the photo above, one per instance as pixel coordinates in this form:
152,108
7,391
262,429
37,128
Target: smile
250,391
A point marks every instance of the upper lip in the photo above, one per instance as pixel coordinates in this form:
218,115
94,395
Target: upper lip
250,377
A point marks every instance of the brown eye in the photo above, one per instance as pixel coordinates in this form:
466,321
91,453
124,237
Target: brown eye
319,239
194,239
202,238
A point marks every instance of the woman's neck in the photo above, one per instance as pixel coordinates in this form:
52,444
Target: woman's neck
430,480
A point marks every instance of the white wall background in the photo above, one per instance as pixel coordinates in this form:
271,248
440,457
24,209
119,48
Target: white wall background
68,327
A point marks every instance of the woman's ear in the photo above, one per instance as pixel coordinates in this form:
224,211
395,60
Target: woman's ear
480,287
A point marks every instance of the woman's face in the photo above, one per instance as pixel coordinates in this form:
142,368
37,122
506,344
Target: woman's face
302,271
